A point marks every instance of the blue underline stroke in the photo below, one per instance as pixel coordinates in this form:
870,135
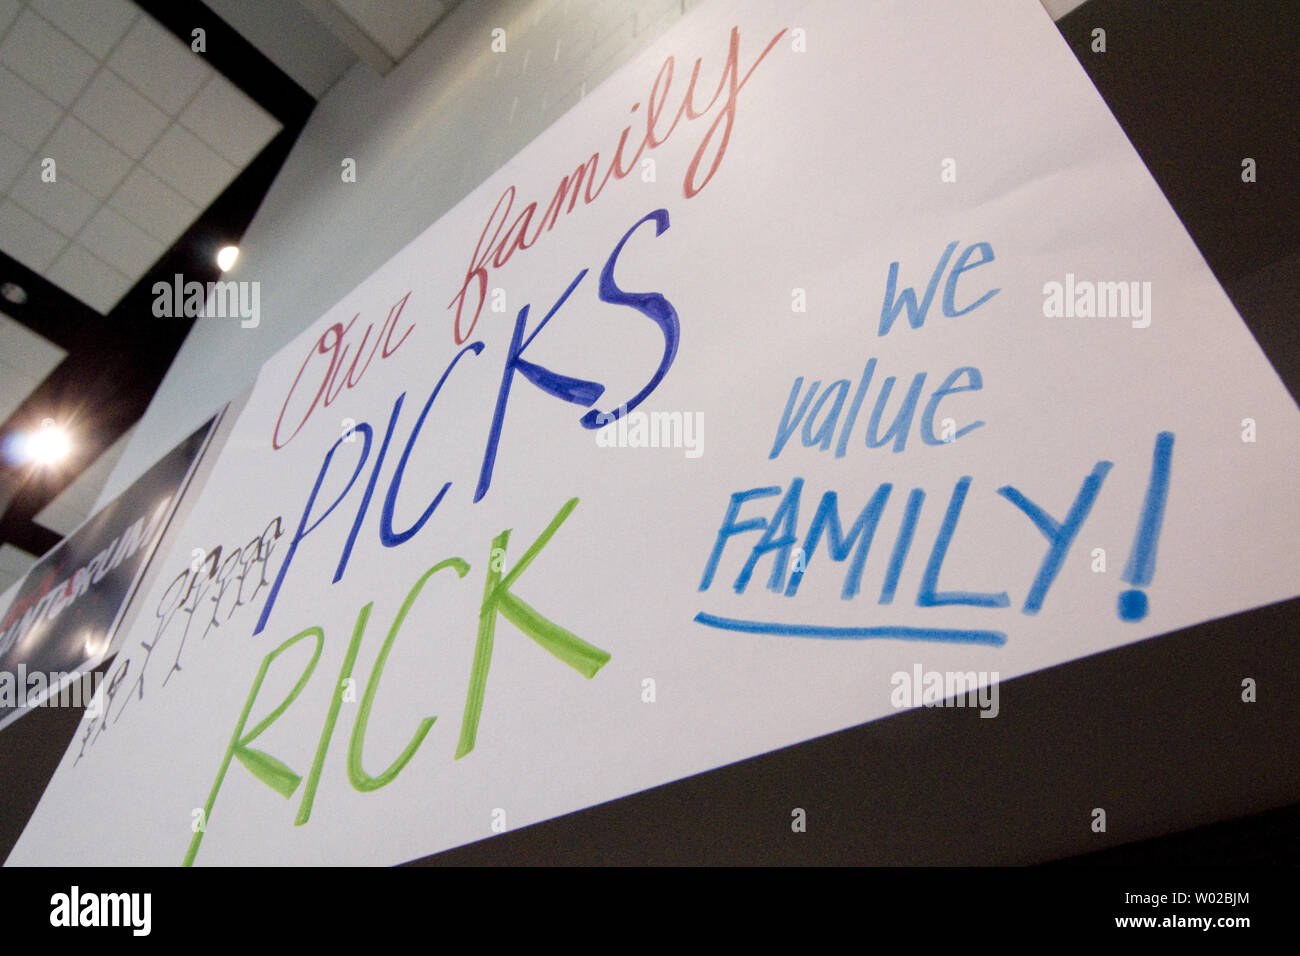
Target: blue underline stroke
991,638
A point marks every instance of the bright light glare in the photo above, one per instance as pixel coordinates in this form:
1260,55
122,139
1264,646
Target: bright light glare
226,257
94,643
48,446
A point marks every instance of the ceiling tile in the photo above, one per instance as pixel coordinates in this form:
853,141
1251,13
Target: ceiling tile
17,384
77,496
13,392
74,497
227,120
61,517
121,115
12,159
25,114
62,204
8,10
96,26
46,58
15,561
123,245
89,160
188,165
159,65
27,239
23,347
90,280
154,206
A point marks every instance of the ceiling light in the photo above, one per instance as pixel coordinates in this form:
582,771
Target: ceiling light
48,446
226,257
94,643
14,293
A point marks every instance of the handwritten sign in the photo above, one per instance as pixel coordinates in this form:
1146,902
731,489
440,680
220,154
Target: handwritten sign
791,360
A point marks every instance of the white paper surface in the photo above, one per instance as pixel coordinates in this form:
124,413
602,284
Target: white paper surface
833,170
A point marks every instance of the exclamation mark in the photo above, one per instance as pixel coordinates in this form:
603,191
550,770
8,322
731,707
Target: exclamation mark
1142,559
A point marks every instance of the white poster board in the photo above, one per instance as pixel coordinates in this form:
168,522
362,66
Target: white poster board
927,202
